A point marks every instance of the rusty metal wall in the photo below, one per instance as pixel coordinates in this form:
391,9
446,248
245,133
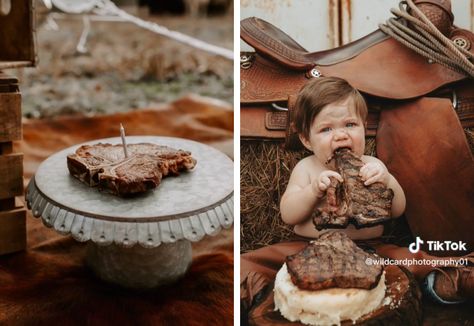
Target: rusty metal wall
360,17
313,24
323,24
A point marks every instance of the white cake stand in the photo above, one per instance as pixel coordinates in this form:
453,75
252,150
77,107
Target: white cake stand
139,242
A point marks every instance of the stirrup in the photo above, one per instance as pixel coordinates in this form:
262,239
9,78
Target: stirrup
428,289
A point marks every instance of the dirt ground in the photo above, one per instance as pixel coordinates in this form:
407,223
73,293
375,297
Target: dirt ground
126,67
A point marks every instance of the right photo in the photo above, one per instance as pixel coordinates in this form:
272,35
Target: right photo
357,169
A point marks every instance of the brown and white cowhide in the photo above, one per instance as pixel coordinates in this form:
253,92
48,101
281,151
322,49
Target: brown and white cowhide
48,284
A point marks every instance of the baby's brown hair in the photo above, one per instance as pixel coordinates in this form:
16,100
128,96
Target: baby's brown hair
318,93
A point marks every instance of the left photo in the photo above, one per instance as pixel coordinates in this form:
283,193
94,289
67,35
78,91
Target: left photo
116,162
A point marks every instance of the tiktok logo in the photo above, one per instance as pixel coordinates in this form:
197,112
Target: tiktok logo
414,247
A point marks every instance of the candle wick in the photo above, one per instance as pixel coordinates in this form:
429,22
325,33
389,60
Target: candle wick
124,143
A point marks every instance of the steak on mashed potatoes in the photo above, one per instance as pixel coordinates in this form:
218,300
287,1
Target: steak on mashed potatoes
329,282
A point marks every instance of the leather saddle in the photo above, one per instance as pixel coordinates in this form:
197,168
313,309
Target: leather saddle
375,64
378,65
411,102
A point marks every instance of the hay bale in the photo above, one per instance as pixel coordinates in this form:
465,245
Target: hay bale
265,168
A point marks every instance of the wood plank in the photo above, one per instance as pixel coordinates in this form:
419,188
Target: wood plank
10,111
16,64
8,83
6,148
11,175
7,204
6,79
12,231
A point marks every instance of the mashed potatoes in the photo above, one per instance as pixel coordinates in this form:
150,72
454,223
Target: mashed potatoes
324,307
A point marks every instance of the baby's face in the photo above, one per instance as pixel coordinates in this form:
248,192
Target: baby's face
337,125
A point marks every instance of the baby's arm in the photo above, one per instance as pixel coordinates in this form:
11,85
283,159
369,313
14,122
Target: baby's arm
375,171
302,194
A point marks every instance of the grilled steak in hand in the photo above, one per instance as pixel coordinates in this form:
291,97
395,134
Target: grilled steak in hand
105,166
333,261
352,201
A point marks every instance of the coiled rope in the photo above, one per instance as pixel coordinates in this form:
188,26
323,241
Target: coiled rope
424,38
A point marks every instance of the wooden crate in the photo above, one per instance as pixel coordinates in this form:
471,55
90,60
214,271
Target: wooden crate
11,175
12,212
17,34
12,230
10,111
17,49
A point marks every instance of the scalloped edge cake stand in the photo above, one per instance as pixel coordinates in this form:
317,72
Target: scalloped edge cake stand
142,247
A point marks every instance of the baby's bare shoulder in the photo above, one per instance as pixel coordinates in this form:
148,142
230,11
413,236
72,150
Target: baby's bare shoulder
308,166
308,163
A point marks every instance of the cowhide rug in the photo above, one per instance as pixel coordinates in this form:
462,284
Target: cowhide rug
48,284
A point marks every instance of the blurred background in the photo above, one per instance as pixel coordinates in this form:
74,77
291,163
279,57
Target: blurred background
119,66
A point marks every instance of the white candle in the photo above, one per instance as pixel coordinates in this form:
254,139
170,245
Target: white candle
124,143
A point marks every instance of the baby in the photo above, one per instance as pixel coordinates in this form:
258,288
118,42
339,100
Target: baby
331,114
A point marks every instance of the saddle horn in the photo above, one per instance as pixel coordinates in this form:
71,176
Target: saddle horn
438,12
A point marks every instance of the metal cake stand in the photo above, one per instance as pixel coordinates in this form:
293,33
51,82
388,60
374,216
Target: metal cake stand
145,241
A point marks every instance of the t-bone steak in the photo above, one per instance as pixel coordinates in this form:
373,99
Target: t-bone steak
333,261
352,201
105,166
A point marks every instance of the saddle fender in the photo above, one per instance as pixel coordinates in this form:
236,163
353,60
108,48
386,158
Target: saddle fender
424,147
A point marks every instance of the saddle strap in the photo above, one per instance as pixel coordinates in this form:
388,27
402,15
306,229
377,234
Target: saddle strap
424,147
292,139
261,122
264,122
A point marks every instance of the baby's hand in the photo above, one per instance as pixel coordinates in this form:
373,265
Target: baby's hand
321,184
374,172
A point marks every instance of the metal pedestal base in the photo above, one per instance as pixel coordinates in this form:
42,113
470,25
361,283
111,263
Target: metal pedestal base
138,267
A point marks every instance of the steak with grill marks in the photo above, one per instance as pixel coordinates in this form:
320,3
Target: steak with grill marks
352,201
105,166
333,261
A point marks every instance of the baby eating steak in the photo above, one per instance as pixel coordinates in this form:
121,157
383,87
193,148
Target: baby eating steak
352,201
